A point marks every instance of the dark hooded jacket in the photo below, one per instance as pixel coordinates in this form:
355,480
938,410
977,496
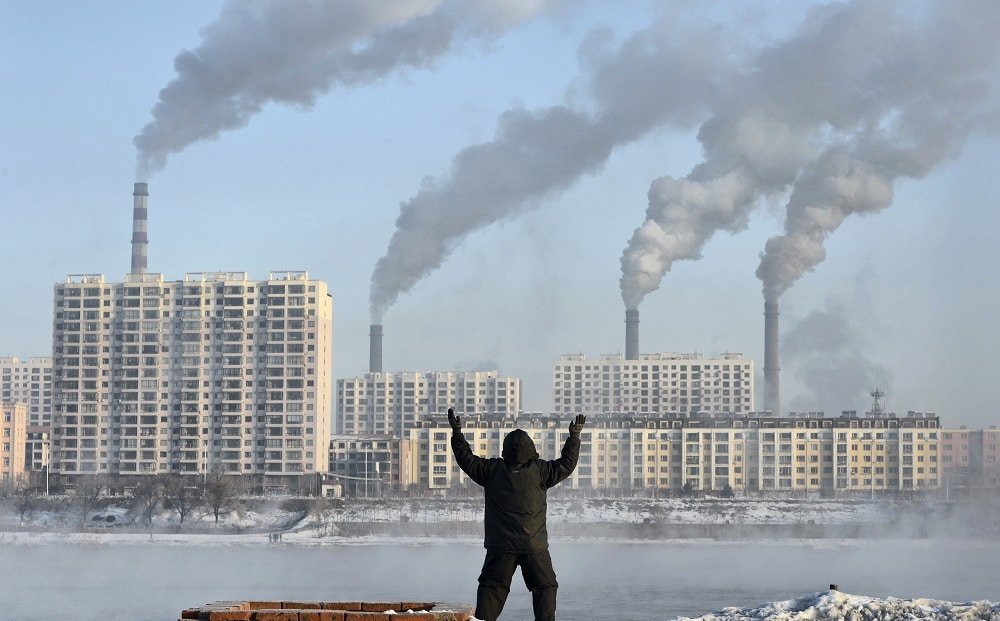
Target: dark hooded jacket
516,489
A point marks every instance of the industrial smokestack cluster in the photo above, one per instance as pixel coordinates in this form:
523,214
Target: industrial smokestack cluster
772,368
375,349
632,334
140,228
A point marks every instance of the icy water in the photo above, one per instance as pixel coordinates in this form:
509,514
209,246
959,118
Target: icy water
598,581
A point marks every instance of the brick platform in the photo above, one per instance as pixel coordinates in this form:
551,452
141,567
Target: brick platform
327,611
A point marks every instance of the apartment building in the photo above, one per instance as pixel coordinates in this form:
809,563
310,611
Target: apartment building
970,458
809,453
29,382
211,372
660,384
36,449
390,403
369,466
13,435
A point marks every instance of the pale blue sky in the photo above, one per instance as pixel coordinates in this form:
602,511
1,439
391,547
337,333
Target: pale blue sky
320,189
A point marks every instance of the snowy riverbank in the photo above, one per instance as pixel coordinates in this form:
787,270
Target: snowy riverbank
569,518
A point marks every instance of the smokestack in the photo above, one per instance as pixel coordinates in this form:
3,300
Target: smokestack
140,239
632,334
772,368
375,349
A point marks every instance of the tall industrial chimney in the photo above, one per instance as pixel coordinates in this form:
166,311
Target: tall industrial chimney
772,368
632,334
140,239
375,349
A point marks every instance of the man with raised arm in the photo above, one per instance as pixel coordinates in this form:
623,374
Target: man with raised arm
516,487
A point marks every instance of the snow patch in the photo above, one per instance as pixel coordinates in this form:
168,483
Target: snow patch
837,606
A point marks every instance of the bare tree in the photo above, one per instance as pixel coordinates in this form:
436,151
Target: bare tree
182,495
21,495
88,491
220,493
147,493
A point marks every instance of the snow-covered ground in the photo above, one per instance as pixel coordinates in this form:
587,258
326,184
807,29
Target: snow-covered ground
835,606
636,511
268,516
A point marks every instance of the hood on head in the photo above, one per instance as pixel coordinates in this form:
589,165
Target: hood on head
518,448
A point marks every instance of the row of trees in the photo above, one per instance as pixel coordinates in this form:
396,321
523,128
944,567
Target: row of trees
216,494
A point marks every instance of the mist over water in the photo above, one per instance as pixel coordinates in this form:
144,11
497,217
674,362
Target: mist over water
598,581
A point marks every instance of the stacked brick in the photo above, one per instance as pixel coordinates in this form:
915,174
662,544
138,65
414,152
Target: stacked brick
326,611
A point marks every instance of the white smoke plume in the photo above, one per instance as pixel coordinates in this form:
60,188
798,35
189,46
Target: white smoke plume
861,94
538,152
293,51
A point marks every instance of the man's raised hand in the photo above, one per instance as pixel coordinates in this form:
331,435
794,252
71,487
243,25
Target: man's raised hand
576,426
454,421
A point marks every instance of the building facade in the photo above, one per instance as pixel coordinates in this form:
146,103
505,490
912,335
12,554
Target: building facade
211,372
369,466
36,449
390,403
970,458
742,454
29,382
13,436
656,384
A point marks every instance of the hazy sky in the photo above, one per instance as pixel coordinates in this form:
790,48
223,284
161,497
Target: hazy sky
322,126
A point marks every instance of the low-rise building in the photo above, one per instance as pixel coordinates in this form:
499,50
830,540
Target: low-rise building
809,453
970,459
369,466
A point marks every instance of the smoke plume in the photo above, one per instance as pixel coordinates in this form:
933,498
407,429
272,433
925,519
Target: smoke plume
922,87
861,94
536,153
828,356
293,51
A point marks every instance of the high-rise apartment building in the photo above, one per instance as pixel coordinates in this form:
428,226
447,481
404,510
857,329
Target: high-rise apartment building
389,403
29,382
211,372
13,435
657,384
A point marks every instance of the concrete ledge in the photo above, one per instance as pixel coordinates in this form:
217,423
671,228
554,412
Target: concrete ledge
271,610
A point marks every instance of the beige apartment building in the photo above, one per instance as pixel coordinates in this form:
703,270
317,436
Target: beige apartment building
29,382
806,454
659,384
390,403
13,435
211,372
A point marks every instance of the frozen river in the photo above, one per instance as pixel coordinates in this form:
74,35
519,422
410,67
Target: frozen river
598,581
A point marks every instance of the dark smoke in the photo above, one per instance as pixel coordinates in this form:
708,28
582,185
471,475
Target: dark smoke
830,358
293,51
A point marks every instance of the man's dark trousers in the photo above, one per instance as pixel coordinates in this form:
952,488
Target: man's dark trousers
494,583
